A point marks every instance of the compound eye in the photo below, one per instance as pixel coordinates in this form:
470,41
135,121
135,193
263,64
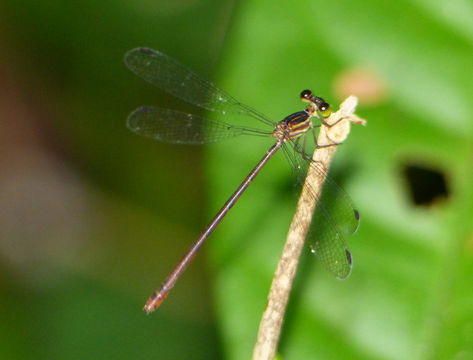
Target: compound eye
306,95
325,110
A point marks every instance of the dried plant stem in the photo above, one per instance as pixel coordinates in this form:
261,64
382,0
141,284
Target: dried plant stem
273,316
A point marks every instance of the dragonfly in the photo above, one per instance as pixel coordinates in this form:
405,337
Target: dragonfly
334,218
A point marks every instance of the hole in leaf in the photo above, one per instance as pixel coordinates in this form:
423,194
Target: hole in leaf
426,186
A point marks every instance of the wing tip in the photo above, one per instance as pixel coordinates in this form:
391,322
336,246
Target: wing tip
347,273
131,54
133,122
356,214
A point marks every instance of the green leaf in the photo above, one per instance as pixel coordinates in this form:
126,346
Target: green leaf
409,295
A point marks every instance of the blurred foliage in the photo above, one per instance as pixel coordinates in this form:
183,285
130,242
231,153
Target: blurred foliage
96,236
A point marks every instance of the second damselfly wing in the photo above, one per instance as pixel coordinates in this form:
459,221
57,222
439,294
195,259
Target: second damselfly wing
333,220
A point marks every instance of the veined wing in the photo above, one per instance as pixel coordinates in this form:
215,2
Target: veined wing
333,220
181,128
341,208
169,75
328,244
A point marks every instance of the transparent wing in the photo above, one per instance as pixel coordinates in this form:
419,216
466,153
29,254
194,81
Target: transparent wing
333,220
181,128
341,208
328,245
176,79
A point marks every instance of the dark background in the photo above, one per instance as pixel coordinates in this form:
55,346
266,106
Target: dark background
92,217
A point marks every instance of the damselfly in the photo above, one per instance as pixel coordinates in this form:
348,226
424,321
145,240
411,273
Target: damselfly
331,222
